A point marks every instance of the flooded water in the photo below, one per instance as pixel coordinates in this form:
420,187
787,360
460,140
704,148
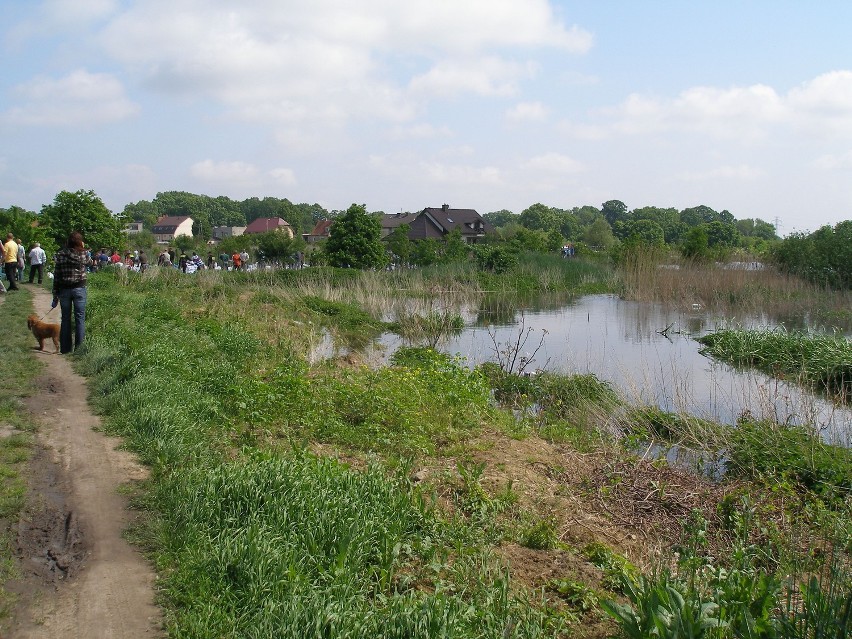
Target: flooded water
620,342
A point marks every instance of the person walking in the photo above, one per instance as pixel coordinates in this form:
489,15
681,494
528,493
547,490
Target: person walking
10,261
69,291
22,260
37,260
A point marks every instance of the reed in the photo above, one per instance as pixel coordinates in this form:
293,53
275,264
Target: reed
731,291
820,361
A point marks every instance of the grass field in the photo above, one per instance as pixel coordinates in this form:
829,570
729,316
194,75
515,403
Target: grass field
296,497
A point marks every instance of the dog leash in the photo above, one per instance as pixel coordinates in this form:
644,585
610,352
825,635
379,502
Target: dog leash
46,314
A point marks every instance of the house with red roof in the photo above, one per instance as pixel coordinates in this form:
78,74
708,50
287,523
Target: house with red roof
267,224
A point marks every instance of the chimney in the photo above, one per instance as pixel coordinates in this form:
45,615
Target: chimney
445,208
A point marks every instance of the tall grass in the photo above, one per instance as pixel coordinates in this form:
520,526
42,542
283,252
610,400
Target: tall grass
252,536
732,291
820,361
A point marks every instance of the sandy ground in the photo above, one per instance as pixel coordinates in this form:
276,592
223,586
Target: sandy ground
80,577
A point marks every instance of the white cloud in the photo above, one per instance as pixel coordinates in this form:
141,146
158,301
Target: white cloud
409,168
489,76
554,163
461,174
237,176
328,60
742,172
833,162
821,106
528,112
422,131
59,17
227,172
283,177
78,98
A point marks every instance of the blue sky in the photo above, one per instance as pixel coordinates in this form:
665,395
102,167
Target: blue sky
485,104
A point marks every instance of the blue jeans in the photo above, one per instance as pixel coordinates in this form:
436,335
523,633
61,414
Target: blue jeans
75,297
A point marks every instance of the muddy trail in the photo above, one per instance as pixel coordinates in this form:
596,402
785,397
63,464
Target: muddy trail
79,577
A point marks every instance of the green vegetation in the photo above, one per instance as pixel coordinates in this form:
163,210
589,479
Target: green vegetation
823,257
823,362
253,534
791,456
355,240
21,367
283,498
752,594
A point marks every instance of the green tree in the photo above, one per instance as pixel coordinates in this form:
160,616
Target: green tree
425,252
539,217
25,226
85,212
696,243
644,232
455,248
599,235
586,214
615,211
278,246
355,240
501,218
399,244
824,256
757,228
696,215
497,258
667,218
722,234
143,211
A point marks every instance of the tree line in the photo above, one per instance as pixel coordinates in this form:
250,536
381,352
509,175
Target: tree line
699,232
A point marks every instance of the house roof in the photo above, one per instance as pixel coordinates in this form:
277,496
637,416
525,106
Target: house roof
169,224
265,224
395,220
468,221
322,227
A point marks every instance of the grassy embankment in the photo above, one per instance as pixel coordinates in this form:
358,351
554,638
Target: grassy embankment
256,534
20,368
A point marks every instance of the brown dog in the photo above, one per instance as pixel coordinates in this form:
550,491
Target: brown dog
43,330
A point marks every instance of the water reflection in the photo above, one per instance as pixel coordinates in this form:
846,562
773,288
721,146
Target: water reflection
620,341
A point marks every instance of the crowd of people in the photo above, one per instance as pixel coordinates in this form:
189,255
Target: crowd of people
15,259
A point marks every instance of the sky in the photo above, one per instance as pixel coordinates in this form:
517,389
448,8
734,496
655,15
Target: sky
743,106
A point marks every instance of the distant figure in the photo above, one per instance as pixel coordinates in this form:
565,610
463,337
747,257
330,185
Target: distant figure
10,261
143,262
69,290
37,260
22,260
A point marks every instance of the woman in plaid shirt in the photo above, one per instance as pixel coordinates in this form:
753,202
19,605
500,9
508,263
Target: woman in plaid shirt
69,290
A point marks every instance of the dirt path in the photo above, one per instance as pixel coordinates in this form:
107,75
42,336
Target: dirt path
82,579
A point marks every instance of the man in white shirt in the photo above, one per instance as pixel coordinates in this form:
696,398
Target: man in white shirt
37,260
